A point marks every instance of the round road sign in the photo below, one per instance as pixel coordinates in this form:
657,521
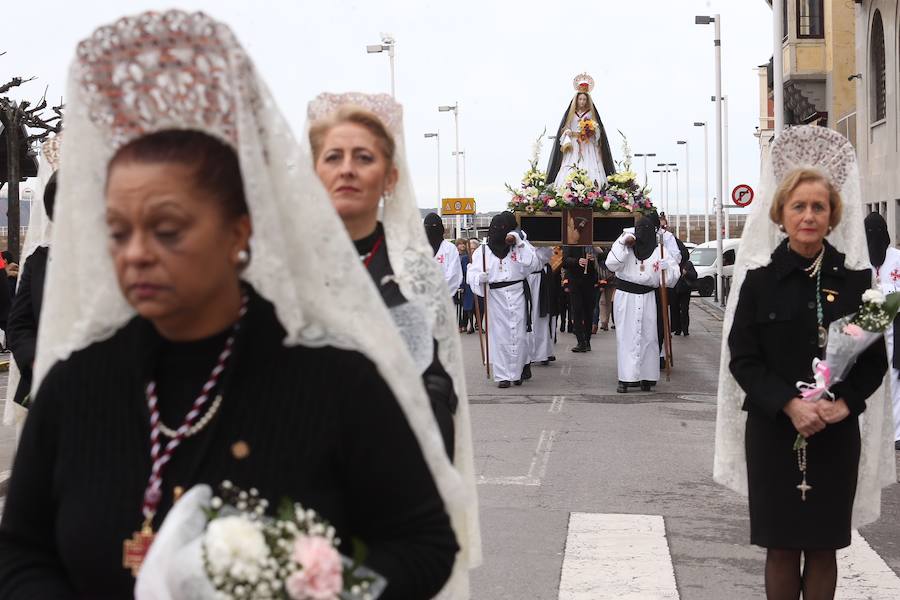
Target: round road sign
742,195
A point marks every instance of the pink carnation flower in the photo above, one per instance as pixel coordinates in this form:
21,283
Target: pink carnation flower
320,575
853,330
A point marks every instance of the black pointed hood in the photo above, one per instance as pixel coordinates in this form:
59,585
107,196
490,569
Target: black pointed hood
877,238
501,225
434,230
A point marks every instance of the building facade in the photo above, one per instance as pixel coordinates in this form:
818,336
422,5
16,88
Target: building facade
818,57
878,102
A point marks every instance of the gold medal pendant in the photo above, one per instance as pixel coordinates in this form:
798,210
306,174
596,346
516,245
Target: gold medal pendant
135,550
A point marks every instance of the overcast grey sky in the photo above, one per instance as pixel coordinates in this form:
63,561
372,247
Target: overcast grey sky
508,63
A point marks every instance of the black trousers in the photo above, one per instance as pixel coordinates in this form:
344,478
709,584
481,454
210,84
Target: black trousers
684,307
674,311
581,303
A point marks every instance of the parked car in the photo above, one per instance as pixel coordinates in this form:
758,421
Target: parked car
704,258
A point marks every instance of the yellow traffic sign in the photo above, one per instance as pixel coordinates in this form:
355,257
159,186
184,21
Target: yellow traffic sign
458,206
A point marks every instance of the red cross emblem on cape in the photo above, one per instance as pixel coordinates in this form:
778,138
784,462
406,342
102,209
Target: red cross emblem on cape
440,259
895,275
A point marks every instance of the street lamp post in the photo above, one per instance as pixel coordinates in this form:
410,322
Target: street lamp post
644,156
673,168
455,110
388,43
727,185
705,179
677,206
717,42
687,168
437,137
464,193
664,168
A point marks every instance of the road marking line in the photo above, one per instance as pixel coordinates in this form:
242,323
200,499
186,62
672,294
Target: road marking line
566,370
557,405
539,461
617,556
863,575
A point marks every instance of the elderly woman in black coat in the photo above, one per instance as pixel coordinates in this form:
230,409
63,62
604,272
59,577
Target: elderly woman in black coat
782,312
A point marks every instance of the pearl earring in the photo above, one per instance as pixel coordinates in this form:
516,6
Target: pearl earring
781,227
243,257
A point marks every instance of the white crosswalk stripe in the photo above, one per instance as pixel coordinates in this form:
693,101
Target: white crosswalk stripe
627,557
617,556
863,575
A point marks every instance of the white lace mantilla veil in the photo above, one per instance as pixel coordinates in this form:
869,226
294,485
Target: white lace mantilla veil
38,234
178,70
422,282
826,150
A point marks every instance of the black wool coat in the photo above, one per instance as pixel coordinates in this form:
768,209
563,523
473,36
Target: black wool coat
774,335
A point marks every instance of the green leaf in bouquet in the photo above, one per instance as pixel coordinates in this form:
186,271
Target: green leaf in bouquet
285,510
892,304
360,552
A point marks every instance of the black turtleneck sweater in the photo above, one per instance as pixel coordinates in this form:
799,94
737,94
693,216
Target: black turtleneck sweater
321,426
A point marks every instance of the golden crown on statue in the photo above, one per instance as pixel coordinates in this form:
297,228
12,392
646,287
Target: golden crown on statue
583,83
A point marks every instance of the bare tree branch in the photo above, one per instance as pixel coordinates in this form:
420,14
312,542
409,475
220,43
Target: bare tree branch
14,82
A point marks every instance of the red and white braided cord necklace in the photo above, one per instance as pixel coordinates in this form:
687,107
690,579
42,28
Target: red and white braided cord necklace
159,455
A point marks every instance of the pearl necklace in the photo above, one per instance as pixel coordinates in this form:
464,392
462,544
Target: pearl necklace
196,427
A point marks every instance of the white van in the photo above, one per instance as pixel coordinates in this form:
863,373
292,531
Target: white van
704,259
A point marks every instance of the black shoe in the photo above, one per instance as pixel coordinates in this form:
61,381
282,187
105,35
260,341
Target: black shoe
526,373
579,348
686,334
646,386
545,362
517,382
551,358
676,333
587,347
622,388
471,330
562,328
503,384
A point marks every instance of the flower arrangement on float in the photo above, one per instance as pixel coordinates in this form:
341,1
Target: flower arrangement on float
293,556
534,194
620,193
587,129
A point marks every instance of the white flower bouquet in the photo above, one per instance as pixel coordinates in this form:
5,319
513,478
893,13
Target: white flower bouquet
848,337
294,556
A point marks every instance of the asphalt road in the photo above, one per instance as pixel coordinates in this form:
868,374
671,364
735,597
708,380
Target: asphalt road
611,454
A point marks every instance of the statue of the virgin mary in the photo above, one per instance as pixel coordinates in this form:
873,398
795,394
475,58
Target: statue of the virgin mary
581,140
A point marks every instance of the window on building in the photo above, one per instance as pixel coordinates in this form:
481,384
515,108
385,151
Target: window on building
784,20
877,77
810,18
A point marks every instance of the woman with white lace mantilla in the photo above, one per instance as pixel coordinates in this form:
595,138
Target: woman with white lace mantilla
206,342
790,284
358,148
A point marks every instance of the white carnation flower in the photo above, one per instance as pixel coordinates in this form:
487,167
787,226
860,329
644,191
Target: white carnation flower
873,296
552,203
235,546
